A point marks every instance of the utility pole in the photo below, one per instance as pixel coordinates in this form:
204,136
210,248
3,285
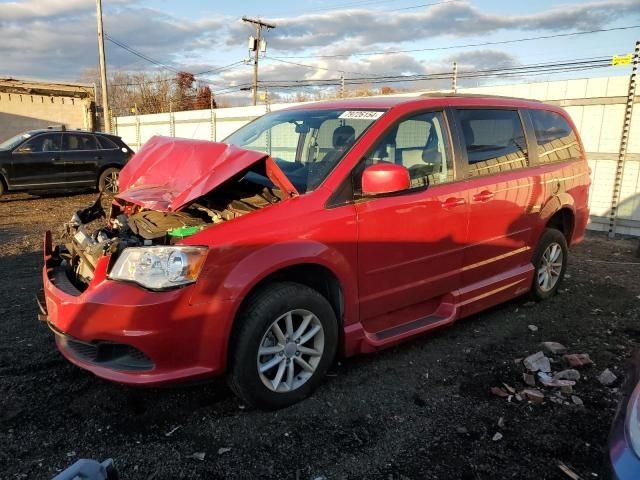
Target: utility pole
454,80
103,70
341,84
255,45
624,140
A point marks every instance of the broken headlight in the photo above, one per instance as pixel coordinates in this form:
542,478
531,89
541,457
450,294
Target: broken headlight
159,267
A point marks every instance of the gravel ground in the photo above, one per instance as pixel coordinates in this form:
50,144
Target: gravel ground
420,410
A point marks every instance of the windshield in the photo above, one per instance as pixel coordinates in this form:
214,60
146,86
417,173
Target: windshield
14,141
306,144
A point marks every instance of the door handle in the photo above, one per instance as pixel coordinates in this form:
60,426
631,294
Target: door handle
452,202
55,159
99,157
483,196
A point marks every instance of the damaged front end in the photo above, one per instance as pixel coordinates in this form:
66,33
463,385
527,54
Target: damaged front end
149,219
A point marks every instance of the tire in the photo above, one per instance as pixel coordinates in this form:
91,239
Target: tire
272,305
2,187
108,181
550,262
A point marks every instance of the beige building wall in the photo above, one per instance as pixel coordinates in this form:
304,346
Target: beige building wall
27,106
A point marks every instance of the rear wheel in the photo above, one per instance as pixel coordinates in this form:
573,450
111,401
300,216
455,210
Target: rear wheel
550,262
285,342
2,187
108,181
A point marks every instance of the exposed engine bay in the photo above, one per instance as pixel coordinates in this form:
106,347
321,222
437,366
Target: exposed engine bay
130,225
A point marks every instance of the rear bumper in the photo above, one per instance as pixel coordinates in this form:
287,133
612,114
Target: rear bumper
126,334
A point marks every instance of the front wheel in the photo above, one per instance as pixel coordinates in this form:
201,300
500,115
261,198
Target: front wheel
108,181
286,340
550,262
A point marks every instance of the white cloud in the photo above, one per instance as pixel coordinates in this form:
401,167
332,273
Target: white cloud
366,28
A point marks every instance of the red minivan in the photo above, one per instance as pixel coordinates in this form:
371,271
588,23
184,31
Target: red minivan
325,229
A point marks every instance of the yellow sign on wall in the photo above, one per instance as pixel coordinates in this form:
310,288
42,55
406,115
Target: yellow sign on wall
622,59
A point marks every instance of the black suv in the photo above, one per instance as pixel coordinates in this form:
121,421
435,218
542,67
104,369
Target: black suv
57,158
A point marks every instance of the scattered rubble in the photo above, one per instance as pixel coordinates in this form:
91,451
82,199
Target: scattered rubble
559,383
499,391
577,400
554,348
578,359
172,431
569,374
549,381
223,450
197,456
497,437
536,362
533,328
529,379
607,378
533,395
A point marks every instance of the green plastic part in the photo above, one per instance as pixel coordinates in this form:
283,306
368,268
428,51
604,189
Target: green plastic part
184,231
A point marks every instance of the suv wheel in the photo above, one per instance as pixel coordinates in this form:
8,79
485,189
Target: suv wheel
2,188
285,343
550,262
108,181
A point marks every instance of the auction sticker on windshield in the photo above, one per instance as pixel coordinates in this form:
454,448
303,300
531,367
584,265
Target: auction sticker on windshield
361,115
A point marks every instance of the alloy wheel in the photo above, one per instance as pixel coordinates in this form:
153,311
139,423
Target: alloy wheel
111,182
290,351
550,267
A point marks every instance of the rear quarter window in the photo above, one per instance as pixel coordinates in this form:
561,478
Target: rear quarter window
105,144
556,139
494,140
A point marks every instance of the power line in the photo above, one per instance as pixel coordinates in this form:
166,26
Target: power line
420,6
447,74
337,70
161,80
138,54
516,71
354,5
453,47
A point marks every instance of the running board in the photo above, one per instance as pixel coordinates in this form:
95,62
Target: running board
410,329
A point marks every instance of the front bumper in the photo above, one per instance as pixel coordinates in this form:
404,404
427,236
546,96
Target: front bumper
127,334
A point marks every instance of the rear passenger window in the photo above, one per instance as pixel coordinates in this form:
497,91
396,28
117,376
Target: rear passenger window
556,139
419,144
105,144
494,140
78,141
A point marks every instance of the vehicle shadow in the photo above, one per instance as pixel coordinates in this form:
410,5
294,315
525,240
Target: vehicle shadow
53,194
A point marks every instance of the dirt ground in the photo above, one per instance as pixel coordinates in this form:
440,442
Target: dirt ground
420,410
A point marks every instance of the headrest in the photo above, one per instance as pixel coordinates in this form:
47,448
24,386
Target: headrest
343,135
431,156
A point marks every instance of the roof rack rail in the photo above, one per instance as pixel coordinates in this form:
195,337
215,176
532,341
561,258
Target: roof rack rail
56,127
474,95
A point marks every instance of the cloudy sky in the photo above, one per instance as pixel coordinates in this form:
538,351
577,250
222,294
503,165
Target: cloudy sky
56,39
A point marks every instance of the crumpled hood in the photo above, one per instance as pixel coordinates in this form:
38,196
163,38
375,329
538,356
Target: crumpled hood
168,173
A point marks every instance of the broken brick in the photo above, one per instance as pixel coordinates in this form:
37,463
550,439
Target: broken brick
533,395
499,392
553,348
578,359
